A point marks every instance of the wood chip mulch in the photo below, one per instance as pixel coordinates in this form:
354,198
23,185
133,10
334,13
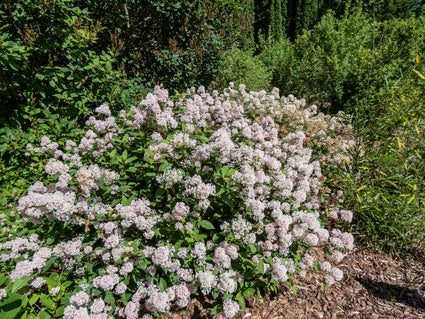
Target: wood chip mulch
375,286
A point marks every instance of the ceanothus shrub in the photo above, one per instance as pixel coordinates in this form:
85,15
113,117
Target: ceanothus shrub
170,199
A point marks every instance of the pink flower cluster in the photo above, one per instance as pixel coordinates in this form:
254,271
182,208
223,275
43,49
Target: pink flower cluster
204,140
140,214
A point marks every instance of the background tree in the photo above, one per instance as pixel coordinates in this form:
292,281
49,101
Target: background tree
277,18
390,9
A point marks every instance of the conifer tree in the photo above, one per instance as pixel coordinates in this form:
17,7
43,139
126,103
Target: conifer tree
277,28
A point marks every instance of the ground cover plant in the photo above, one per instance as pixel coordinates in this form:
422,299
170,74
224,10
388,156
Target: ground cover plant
173,198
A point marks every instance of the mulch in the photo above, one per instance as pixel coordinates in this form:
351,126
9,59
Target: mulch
375,286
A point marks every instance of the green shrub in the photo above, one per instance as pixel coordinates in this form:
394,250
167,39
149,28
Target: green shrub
278,58
47,56
240,67
345,62
173,43
384,183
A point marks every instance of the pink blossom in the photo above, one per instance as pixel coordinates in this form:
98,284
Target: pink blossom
103,109
230,308
337,274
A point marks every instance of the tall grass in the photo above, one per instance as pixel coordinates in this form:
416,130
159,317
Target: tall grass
384,181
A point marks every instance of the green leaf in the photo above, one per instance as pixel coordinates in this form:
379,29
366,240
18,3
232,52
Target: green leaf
131,169
162,284
199,237
261,266
20,283
229,201
215,238
11,314
25,315
252,248
249,292
238,296
66,284
125,201
131,159
159,192
10,307
242,304
165,167
124,155
47,301
59,311
3,279
207,225
109,297
227,171
221,190
215,293
44,315
108,67
50,240
34,298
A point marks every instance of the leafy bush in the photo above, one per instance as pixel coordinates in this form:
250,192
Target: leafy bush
240,67
343,63
192,195
47,54
70,56
19,171
174,43
384,182
278,58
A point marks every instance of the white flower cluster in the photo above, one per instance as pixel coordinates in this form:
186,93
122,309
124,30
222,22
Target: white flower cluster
62,203
170,177
78,307
333,134
89,176
140,214
194,186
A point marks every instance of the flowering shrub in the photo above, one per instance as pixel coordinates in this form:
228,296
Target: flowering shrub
332,137
173,198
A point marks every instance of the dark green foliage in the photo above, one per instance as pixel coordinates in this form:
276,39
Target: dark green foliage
279,55
271,19
48,60
71,55
389,9
276,19
304,15
174,43
337,6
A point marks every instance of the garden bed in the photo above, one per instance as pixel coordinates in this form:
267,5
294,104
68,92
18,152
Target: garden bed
375,286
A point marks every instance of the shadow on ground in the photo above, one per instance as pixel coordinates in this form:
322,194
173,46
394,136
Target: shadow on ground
394,293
